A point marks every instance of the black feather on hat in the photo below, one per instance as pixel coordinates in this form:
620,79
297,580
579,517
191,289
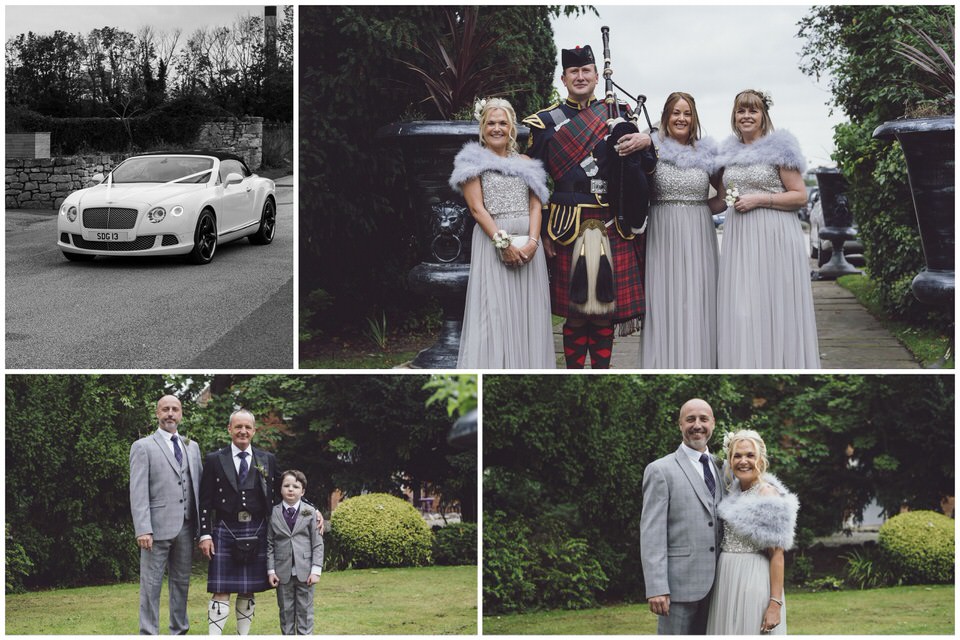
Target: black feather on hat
578,57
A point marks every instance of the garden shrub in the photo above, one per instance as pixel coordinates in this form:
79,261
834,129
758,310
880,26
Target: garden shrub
455,544
919,547
866,569
380,530
524,570
18,564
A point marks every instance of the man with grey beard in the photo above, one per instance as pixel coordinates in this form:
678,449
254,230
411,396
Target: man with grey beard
680,532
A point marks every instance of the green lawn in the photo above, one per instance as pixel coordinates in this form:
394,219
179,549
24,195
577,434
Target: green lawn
424,601
926,345
926,610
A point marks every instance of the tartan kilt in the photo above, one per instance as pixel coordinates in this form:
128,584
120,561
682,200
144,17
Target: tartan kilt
627,262
224,575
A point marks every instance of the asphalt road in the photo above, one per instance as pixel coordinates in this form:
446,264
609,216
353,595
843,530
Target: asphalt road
148,313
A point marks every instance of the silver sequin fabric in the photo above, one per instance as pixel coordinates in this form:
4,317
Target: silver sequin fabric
733,542
753,178
673,185
505,196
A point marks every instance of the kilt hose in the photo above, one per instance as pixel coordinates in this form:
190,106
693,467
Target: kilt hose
225,574
627,263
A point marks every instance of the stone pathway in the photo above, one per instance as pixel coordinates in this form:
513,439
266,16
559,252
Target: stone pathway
850,338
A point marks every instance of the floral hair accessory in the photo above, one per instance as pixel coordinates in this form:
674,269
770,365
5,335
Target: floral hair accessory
727,437
501,239
478,108
767,100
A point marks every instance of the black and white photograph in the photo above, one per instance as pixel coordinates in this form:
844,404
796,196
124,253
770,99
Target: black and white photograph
149,187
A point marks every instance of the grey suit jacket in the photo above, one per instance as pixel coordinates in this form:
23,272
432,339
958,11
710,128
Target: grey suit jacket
302,547
158,488
679,529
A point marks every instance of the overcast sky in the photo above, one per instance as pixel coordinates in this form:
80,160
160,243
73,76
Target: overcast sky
82,19
712,53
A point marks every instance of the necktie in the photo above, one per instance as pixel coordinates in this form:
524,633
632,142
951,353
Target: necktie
290,514
177,453
244,468
708,475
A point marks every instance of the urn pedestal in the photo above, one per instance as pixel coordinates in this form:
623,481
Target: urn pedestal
838,221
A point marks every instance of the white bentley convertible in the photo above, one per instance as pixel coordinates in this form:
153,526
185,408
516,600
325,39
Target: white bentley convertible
168,204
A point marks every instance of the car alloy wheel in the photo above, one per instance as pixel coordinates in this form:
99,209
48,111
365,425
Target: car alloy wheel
268,224
205,239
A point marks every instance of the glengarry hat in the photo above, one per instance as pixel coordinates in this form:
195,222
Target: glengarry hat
578,57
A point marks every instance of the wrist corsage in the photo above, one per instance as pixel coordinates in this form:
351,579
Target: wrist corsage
502,239
732,194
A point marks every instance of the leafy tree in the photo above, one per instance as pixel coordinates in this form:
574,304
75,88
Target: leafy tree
871,85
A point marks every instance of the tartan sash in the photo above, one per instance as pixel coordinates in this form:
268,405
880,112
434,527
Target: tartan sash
575,139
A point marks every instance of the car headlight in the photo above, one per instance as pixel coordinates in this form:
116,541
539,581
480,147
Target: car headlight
177,211
69,211
156,214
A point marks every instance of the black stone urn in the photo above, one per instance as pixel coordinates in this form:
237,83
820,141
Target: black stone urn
463,433
928,145
838,223
444,223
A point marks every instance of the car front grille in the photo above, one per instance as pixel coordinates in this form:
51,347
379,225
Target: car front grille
141,243
65,238
168,240
109,218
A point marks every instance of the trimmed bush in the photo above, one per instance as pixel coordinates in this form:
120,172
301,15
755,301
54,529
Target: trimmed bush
919,547
455,544
380,530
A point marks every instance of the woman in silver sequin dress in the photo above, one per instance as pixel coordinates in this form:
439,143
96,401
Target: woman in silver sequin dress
765,317
759,517
680,330
507,322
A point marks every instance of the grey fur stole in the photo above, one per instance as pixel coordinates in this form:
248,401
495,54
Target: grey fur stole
778,148
769,521
701,155
473,160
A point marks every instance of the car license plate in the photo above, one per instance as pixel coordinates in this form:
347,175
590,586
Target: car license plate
106,236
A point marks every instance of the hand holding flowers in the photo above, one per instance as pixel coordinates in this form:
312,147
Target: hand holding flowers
732,194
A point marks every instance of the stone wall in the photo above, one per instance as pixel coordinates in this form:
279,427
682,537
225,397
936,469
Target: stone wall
241,137
45,183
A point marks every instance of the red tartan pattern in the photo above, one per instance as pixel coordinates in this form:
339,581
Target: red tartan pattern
628,271
576,140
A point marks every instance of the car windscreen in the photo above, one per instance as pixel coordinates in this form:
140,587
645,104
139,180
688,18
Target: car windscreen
183,169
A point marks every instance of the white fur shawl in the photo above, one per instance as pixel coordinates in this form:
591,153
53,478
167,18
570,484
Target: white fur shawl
769,521
473,160
778,148
701,156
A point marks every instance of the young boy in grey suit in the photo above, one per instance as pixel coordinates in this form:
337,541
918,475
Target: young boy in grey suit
294,555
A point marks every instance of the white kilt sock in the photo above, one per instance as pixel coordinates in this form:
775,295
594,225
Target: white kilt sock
217,614
244,611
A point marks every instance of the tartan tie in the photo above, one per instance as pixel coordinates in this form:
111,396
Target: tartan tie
177,453
708,475
244,468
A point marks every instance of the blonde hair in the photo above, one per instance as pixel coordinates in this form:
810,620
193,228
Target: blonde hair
731,440
672,100
500,103
755,99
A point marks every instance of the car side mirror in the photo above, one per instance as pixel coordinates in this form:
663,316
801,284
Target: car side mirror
97,178
233,178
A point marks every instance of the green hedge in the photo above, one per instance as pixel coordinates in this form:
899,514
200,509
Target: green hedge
175,124
380,530
526,570
455,544
919,546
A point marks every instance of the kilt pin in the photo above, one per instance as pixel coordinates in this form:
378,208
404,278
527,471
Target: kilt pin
230,509
576,160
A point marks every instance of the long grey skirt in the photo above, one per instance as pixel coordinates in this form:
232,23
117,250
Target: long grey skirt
765,316
506,322
680,330
741,594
